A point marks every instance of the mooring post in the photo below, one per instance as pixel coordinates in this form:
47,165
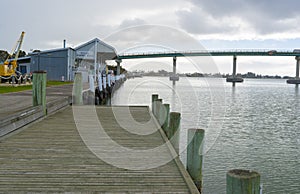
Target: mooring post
242,182
153,105
195,155
174,69
77,89
166,117
118,61
161,114
158,103
174,130
39,89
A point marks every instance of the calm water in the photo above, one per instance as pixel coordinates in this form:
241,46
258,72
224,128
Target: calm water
252,126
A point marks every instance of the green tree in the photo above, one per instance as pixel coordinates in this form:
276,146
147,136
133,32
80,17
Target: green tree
114,68
21,54
3,55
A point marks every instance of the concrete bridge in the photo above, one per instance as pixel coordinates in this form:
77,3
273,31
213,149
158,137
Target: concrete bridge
234,53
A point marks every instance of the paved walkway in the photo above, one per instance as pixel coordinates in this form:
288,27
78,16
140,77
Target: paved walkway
12,103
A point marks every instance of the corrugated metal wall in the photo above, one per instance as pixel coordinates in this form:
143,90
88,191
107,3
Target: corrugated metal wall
61,62
57,63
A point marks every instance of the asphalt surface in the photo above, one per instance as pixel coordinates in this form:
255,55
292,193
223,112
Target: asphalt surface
12,103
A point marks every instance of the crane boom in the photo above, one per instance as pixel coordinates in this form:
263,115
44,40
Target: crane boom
19,43
8,68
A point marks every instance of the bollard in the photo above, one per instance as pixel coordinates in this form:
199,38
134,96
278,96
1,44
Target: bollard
154,98
242,182
174,130
39,89
158,103
166,117
161,114
77,89
195,156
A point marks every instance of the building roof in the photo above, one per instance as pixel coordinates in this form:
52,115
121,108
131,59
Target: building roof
104,51
25,59
96,40
50,51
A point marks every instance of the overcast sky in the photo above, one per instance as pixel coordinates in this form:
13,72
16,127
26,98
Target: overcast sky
172,24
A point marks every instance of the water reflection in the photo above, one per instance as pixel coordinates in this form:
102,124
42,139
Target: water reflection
297,90
260,130
173,98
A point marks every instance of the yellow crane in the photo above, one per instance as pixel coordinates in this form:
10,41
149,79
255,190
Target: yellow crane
8,68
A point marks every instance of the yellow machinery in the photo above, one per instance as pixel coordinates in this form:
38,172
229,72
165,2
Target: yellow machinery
8,68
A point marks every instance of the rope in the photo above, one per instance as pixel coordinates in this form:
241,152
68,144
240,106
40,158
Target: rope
6,77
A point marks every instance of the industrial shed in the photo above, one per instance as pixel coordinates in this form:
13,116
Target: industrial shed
91,57
24,65
58,63
61,64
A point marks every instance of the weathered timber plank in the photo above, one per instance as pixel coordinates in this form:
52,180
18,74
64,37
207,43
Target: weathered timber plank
50,156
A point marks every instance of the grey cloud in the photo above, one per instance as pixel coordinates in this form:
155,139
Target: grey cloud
160,37
273,8
77,20
265,17
198,22
131,22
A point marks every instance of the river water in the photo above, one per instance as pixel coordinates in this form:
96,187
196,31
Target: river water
254,126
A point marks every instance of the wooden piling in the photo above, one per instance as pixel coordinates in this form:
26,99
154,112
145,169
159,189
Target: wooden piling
39,89
77,89
154,98
242,182
174,130
195,156
158,104
166,118
161,113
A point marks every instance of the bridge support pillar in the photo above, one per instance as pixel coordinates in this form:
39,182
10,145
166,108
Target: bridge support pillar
234,66
296,80
234,70
174,77
234,78
297,67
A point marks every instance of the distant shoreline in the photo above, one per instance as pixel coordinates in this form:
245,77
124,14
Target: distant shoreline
212,76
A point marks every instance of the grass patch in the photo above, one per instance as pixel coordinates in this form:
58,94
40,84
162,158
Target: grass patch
57,83
9,88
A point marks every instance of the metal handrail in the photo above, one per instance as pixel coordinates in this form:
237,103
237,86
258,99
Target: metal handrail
228,51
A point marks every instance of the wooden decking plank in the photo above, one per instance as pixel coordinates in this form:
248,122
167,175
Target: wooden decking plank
50,156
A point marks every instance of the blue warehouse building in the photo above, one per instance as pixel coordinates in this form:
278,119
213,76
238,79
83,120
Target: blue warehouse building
62,63
58,63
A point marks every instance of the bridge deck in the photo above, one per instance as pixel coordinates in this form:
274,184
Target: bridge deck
50,156
208,53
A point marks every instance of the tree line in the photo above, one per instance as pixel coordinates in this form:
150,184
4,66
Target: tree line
5,55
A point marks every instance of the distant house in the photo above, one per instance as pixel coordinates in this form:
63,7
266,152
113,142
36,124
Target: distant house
62,63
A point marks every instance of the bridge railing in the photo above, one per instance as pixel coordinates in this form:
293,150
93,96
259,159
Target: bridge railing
231,51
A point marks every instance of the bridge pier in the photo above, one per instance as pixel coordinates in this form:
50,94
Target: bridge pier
296,80
297,67
174,77
234,78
